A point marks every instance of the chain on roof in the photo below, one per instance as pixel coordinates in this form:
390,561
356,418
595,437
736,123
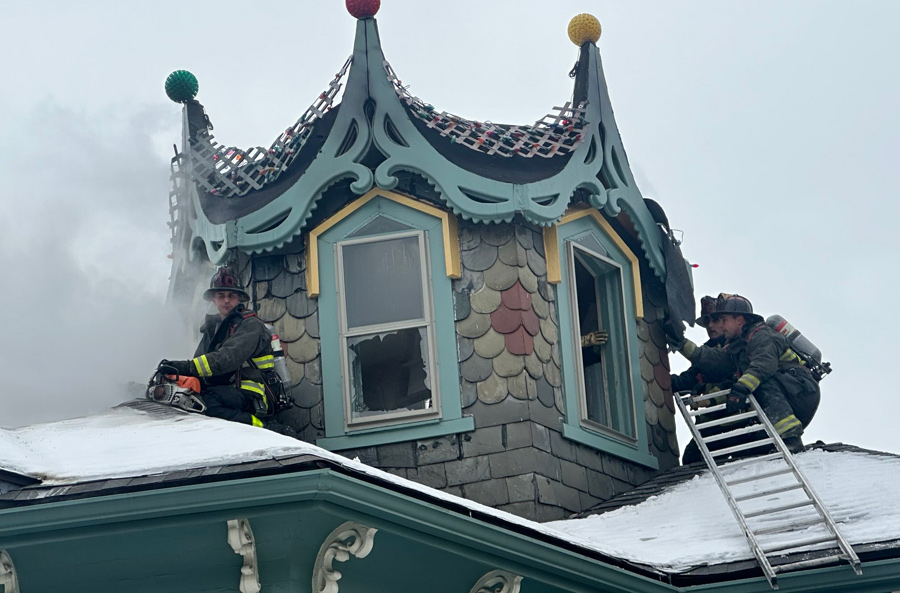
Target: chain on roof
559,132
229,171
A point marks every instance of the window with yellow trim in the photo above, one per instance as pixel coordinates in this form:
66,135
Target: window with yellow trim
598,303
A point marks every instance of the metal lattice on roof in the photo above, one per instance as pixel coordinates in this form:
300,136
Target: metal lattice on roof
229,171
559,132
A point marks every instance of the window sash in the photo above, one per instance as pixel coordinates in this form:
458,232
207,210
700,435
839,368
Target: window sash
624,394
427,321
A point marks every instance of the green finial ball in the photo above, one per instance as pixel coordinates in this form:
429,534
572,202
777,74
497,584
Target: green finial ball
182,86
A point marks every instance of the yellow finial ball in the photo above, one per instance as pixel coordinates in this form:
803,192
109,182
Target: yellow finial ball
584,27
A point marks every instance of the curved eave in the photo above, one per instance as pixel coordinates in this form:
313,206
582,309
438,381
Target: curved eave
597,165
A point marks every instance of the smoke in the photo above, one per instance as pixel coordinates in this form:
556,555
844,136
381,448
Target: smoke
84,253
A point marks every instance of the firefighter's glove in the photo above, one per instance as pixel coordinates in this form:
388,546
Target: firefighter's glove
594,339
183,367
674,331
738,399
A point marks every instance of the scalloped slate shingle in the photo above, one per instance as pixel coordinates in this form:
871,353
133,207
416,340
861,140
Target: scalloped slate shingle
509,375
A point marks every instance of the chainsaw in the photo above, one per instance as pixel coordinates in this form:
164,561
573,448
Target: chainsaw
163,388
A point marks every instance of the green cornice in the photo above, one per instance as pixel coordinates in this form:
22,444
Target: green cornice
410,514
340,494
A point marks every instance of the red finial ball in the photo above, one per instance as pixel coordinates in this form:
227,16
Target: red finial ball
362,9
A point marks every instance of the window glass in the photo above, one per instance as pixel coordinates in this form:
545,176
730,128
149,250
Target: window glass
379,226
589,241
387,334
383,281
389,373
604,382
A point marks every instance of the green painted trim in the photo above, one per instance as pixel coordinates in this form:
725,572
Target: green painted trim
456,529
384,435
376,505
541,202
639,451
336,437
297,203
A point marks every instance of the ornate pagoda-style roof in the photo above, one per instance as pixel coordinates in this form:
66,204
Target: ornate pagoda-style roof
260,199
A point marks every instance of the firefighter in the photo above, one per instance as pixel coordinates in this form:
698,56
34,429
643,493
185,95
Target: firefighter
698,381
764,365
234,351
693,379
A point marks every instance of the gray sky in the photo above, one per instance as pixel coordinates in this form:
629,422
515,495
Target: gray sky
765,129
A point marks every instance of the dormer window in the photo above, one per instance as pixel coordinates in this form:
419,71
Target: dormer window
598,287
386,328
604,385
388,340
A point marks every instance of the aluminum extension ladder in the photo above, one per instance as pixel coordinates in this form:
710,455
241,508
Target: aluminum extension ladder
762,519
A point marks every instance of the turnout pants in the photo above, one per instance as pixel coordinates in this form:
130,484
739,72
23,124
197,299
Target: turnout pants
230,403
790,400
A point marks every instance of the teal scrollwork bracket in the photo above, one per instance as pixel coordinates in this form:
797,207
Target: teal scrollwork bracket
372,115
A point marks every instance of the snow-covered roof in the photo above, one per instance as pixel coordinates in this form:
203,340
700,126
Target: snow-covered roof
684,526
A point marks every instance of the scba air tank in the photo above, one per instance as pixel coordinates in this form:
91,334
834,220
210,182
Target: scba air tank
798,341
280,366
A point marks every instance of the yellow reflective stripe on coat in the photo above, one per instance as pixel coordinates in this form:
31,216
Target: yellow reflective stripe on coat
790,356
202,366
786,424
749,381
688,349
264,362
254,387
256,421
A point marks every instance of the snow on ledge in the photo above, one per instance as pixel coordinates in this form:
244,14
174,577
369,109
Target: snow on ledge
686,526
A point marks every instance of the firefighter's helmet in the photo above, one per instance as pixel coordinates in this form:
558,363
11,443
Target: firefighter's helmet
225,279
707,308
735,304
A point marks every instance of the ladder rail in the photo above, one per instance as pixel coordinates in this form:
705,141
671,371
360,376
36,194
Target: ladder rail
767,569
845,546
781,452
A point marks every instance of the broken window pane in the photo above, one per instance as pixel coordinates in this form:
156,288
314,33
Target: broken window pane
389,373
383,281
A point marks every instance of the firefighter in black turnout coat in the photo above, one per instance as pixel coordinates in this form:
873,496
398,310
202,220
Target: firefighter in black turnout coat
763,364
234,352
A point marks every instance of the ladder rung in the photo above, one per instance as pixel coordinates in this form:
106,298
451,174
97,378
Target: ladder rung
809,563
751,460
687,395
773,510
744,447
762,493
785,527
728,419
734,433
799,544
708,410
779,472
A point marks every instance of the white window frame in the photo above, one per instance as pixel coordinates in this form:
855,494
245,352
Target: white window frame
622,396
427,321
